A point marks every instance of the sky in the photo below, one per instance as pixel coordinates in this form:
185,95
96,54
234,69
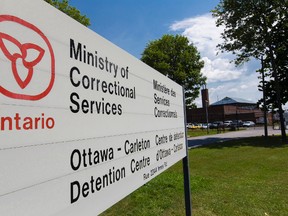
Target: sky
132,24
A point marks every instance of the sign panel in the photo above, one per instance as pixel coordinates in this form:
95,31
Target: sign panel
82,122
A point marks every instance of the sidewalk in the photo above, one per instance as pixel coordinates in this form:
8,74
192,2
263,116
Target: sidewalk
194,142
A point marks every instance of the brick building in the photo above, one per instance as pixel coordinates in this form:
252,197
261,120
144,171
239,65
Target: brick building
226,109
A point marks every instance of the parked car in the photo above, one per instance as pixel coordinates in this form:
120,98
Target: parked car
227,123
189,125
248,124
216,124
236,123
204,125
193,126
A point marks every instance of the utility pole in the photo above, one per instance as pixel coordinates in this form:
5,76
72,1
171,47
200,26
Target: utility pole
207,121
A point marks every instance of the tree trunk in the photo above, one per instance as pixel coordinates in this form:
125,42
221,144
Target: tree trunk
278,96
264,100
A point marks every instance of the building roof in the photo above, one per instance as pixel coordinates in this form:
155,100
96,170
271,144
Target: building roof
229,100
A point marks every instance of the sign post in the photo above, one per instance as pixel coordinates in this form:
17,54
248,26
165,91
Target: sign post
82,123
186,170
188,202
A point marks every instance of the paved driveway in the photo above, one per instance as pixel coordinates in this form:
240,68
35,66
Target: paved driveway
194,142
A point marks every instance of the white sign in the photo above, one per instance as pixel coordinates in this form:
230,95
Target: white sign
82,122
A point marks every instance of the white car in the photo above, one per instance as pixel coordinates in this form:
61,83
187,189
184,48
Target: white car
204,125
227,123
248,124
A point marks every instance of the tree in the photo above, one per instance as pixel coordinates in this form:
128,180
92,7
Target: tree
258,29
70,11
174,57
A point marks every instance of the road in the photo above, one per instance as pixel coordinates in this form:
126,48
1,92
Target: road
194,142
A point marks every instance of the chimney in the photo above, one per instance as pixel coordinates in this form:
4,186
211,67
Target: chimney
205,97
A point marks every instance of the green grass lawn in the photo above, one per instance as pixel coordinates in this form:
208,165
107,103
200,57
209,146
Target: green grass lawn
200,132
243,177
203,132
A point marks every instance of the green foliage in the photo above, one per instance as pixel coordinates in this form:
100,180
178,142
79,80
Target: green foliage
271,94
250,26
174,57
70,11
259,29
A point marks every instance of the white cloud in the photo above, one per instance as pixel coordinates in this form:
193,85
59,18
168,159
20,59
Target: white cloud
219,70
202,32
244,87
223,78
233,90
